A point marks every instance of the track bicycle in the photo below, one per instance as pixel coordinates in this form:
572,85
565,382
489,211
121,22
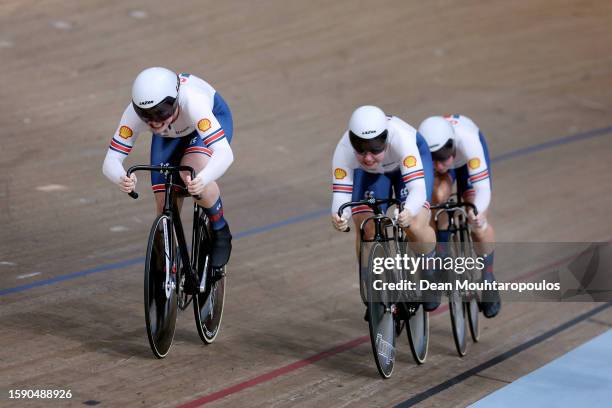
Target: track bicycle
388,311
174,275
462,302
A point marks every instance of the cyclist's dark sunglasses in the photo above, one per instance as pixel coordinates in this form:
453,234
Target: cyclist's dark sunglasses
375,146
445,151
159,112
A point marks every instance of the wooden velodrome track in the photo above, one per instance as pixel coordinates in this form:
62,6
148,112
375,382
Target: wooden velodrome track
293,335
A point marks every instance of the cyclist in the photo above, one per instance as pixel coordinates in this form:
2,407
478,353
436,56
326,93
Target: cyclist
191,125
459,151
376,154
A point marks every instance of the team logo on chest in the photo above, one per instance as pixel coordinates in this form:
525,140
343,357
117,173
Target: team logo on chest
204,125
125,132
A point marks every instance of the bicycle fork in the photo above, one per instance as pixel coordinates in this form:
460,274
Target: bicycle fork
170,284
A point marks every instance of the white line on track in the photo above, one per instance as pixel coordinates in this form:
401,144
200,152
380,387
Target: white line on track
28,275
62,25
138,14
52,187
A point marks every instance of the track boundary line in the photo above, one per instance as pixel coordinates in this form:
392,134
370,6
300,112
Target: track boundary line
141,259
275,373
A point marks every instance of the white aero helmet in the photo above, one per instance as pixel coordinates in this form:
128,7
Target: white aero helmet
440,137
155,94
368,130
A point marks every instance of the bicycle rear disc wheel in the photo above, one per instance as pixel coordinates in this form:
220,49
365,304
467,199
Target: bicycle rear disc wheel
160,298
418,334
381,323
457,313
208,306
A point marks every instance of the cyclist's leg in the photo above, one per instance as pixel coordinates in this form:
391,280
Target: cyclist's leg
422,241
164,150
365,183
197,156
421,234
443,187
422,238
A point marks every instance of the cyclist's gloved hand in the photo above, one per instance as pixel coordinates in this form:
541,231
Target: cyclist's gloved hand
128,184
405,218
195,186
479,221
340,223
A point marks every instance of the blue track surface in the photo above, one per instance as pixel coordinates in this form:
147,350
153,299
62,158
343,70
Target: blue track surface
580,378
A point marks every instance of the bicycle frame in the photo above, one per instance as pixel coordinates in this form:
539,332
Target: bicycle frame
451,207
390,313
181,281
380,230
381,223
171,210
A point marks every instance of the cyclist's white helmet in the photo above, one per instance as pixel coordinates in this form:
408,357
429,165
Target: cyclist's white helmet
440,137
368,129
155,94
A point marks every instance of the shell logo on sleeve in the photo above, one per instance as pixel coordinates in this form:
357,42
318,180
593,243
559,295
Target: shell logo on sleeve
339,173
204,125
125,132
410,161
474,163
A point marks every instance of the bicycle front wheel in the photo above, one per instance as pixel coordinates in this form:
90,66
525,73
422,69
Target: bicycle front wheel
208,305
473,313
458,321
160,298
456,300
380,317
471,300
416,318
